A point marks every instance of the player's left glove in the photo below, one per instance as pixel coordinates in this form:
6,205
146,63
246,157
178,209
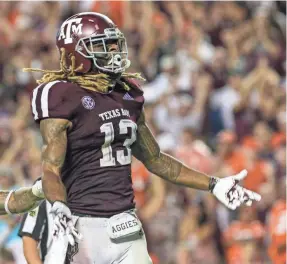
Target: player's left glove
230,193
63,222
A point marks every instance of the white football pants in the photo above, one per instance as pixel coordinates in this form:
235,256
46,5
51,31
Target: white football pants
97,248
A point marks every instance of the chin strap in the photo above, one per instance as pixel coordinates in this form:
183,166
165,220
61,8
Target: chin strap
114,65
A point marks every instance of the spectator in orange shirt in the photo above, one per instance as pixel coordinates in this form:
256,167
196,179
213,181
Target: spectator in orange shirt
258,152
260,140
229,152
242,238
260,171
237,158
277,226
194,152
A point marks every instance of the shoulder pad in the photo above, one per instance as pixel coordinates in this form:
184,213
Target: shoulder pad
132,82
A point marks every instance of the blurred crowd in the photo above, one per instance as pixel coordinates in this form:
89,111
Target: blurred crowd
215,98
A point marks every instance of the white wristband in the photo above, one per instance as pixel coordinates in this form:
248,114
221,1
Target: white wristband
37,189
7,202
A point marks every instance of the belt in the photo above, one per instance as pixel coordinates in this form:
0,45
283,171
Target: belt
87,215
101,216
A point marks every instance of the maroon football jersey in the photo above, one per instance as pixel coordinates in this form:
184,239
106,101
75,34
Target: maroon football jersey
97,168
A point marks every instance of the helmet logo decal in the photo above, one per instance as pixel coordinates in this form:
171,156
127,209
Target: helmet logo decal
72,26
88,102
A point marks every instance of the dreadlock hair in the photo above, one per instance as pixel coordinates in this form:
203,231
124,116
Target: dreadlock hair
100,82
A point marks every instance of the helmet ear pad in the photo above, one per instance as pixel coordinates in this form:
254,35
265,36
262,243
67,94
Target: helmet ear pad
87,63
83,65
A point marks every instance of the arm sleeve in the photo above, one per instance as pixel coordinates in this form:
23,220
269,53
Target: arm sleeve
52,100
33,222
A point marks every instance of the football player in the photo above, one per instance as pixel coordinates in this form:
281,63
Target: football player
21,200
92,121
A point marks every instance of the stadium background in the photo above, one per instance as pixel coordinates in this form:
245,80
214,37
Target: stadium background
215,98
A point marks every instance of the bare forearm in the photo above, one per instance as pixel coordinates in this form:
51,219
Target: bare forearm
54,133
147,150
23,200
174,171
53,187
194,179
31,250
20,201
3,196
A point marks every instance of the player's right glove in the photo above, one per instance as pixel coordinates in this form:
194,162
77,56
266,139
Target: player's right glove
63,222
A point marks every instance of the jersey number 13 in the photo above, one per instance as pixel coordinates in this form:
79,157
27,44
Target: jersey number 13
108,129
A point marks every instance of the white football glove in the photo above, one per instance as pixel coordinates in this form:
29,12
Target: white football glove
63,222
230,193
37,189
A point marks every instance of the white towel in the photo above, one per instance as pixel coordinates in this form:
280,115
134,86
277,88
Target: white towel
58,249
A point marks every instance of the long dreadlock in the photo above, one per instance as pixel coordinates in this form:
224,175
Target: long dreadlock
99,82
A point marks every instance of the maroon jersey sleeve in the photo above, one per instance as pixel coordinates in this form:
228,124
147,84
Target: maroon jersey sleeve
53,100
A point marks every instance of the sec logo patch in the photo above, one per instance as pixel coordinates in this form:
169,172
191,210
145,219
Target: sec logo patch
88,102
